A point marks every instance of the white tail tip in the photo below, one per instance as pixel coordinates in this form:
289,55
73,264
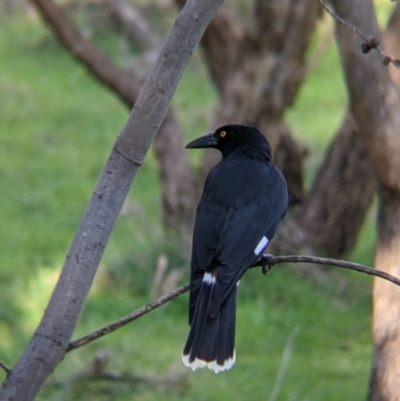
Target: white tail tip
213,365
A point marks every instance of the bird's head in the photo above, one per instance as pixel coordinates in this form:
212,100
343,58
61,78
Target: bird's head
241,138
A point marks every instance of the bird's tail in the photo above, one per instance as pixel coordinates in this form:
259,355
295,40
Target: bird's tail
211,341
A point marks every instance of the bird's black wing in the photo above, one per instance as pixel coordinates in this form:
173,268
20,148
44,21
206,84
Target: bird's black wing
227,233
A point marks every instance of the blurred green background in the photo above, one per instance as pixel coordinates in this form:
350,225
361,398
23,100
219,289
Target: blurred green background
57,126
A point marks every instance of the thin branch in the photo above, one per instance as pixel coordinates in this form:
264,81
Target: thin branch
4,367
369,43
261,262
329,262
127,319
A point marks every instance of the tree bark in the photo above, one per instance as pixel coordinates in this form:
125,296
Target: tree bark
51,338
375,104
177,181
176,188
341,194
289,156
220,44
385,372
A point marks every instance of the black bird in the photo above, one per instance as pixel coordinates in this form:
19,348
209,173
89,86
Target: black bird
244,199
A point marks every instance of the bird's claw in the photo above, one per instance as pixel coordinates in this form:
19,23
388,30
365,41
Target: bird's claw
265,265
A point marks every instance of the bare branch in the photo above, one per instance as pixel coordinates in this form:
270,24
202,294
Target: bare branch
4,367
127,319
181,290
330,262
369,43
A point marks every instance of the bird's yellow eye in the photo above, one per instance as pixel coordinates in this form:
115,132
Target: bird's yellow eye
222,134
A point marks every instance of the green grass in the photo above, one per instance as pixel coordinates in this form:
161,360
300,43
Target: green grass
57,126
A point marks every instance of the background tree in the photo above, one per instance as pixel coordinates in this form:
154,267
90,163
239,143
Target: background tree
375,102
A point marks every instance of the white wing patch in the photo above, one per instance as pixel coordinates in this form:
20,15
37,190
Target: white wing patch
261,245
198,363
208,278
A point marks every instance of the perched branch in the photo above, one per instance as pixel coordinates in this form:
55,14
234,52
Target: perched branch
261,262
369,43
329,262
127,319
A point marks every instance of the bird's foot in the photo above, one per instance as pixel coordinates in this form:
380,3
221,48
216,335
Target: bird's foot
265,265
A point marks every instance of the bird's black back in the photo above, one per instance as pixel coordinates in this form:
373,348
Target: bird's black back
244,199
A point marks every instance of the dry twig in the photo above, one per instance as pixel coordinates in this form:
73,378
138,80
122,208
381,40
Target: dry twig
368,44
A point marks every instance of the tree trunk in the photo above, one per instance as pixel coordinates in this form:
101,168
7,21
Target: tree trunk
375,104
176,177
385,375
341,194
289,157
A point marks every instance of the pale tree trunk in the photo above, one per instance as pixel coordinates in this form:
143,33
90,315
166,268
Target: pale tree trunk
51,338
375,104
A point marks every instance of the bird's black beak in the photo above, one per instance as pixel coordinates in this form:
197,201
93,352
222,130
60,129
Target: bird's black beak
206,141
